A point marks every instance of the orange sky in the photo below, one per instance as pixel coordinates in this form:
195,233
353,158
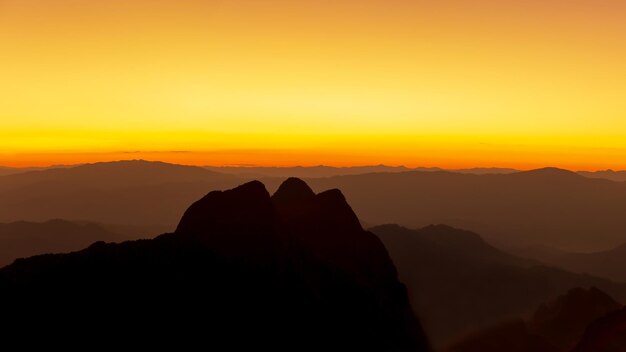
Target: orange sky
451,83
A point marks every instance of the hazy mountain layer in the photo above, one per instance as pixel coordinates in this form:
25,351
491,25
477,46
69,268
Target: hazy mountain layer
548,206
24,239
129,192
458,283
610,264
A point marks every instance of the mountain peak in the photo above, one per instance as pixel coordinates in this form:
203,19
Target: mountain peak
243,209
295,202
292,190
333,205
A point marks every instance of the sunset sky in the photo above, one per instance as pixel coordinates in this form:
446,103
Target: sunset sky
450,83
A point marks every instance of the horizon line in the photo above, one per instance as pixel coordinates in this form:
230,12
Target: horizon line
304,166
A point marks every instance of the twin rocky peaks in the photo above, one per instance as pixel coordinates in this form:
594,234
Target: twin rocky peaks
294,271
250,207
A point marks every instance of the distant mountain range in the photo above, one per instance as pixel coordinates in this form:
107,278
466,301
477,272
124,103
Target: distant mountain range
329,171
242,271
458,283
18,170
618,176
126,192
551,207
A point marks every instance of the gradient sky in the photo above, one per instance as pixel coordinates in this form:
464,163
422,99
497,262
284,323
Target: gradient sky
451,83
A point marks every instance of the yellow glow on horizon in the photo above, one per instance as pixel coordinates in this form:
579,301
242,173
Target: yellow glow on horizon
449,83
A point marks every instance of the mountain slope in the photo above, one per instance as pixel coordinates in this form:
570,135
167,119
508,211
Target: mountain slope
610,264
458,283
242,270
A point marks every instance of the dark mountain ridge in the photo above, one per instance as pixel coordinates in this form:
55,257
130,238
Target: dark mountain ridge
243,270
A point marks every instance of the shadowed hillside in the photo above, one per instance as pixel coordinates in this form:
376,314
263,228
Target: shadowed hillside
458,283
244,270
607,334
610,264
557,326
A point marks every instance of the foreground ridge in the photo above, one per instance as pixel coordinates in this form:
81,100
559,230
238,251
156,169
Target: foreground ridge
291,272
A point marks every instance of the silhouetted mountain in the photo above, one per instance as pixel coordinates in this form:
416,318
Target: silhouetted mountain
610,264
458,283
328,227
126,192
607,334
547,206
291,193
25,239
557,326
618,176
243,270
